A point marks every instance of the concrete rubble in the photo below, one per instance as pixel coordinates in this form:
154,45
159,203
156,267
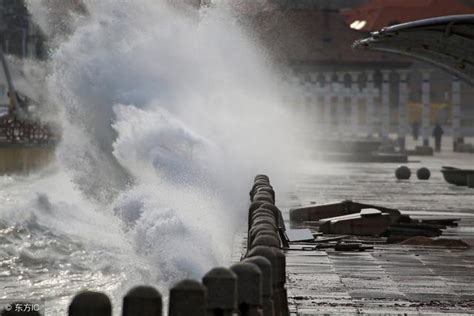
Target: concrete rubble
404,270
352,218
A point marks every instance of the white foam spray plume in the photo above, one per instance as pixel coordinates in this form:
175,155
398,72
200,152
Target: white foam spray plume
167,115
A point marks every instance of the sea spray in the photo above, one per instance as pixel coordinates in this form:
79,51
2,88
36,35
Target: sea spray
166,116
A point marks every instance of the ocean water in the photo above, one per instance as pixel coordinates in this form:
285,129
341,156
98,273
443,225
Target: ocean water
167,113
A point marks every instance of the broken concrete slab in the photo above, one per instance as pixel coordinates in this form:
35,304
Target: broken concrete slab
317,212
356,224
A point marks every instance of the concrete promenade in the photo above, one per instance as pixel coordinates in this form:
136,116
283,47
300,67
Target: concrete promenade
391,279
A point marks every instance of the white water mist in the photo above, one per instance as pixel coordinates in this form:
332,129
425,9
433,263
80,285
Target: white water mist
167,115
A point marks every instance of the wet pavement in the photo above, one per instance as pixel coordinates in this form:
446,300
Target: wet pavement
391,279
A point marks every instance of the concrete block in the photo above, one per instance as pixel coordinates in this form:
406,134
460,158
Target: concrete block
255,205
188,297
221,284
266,240
423,173
265,220
263,197
261,177
267,288
249,284
403,173
142,300
90,304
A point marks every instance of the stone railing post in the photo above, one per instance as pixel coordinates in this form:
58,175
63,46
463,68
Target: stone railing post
221,284
267,286
278,262
249,288
188,297
142,300
90,304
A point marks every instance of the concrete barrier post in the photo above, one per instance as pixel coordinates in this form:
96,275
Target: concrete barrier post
255,210
142,301
258,184
266,189
260,212
267,283
260,228
264,232
281,289
277,260
249,288
221,284
261,182
276,211
188,297
266,240
261,176
90,304
254,206
261,185
261,196
265,220
261,217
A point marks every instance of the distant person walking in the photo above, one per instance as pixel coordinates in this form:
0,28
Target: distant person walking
438,134
415,130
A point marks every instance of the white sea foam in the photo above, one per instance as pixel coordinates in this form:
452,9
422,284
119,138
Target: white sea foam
167,115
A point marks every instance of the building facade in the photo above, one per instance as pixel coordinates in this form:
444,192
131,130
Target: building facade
359,93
